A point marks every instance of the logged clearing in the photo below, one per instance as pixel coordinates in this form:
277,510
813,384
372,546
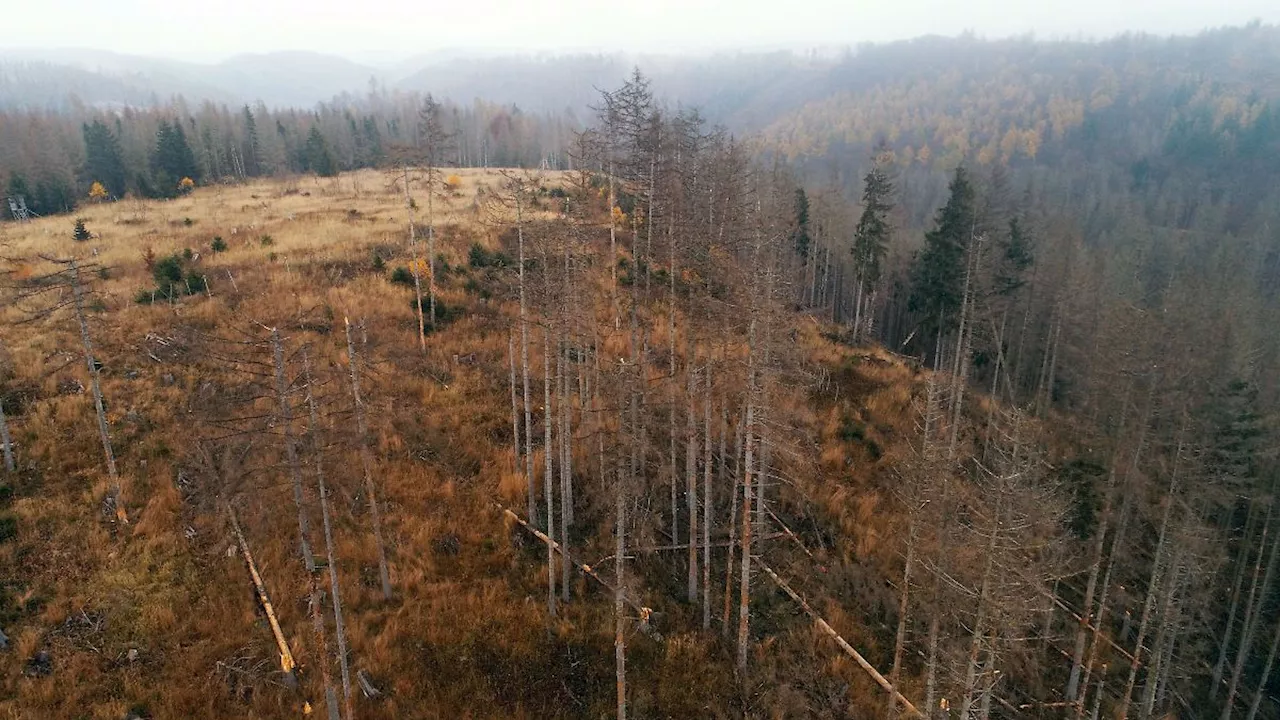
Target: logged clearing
158,615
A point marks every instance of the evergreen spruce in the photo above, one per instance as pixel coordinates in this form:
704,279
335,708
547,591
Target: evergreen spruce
104,161
871,236
937,276
319,159
81,233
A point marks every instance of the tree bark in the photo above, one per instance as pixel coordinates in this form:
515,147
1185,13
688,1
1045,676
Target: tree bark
900,637
103,434
339,626
547,416
9,464
413,265
291,452
366,462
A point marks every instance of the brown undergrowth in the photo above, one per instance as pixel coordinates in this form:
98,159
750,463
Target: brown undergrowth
158,616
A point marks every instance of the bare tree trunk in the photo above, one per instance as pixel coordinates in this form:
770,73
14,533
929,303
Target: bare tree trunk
1266,675
547,474
1157,671
984,603
708,507
900,637
931,664
515,411
566,512
1157,572
366,461
1242,564
339,626
691,480
963,348
287,664
413,265
524,363
4,438
744,589
1086,613
291,452
744,593
620,580
78,295
431,243
733,526
1099,619
1249,630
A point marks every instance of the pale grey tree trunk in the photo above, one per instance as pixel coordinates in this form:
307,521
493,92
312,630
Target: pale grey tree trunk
515,411
1266,675
366,462
524,364
413,264
708,507
9,464
1248,632
566,513
691,480
431,244
1086,611
1237,587
547,474
900,637
94,384
339,626
1157,576
291,452
744,587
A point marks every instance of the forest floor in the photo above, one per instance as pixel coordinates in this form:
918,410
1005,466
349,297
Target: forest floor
158,616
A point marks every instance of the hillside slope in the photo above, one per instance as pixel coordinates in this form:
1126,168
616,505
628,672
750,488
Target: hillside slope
190,402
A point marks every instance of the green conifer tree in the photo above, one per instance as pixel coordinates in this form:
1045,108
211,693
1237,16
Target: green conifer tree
937,275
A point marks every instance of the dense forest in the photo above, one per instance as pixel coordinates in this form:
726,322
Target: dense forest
1068,253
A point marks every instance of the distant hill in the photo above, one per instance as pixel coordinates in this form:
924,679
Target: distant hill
743,90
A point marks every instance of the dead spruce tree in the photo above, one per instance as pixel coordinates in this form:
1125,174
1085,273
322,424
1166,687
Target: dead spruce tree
42,297
366,462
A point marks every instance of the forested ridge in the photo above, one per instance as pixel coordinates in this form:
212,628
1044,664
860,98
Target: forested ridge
973,358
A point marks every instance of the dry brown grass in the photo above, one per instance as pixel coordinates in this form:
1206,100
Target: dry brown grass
466,635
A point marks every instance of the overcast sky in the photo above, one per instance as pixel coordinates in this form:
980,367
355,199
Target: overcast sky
209,30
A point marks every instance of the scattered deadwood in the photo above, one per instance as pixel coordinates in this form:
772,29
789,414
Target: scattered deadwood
287,664
881,680
586,569
366,685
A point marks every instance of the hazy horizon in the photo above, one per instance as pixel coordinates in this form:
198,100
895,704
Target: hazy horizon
388,31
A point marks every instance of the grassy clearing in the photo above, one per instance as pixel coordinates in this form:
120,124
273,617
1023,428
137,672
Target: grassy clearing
466,634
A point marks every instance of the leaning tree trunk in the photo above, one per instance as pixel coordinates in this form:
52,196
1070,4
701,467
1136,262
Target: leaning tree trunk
366,461
103,434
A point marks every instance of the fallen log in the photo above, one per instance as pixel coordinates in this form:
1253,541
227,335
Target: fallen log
880,679
287,663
